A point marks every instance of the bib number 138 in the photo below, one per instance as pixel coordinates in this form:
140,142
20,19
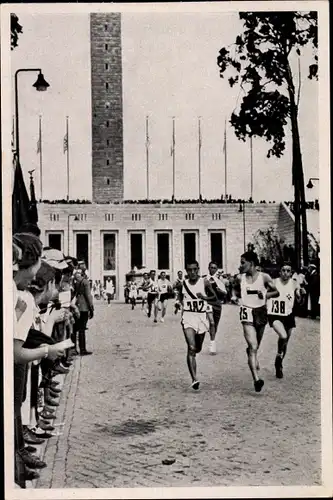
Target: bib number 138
245,314
278,307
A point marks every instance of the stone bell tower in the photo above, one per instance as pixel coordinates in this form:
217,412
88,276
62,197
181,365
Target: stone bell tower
107,107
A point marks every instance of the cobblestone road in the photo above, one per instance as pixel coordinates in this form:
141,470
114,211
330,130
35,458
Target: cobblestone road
130,406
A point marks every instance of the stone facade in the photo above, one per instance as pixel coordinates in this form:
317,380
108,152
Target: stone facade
149,220
107,107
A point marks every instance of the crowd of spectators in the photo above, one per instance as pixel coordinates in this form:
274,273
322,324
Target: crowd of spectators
224,199
52,305
309,205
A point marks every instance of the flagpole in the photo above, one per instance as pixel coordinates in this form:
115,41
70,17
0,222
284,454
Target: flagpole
67,158
147,155
173,159
225,160
251,152
199,156
40,158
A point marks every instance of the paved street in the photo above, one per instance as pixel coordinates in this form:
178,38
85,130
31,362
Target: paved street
129,407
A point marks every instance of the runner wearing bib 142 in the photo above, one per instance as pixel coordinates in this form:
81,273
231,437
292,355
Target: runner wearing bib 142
194,295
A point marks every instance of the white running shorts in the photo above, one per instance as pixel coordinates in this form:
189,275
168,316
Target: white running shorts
197,321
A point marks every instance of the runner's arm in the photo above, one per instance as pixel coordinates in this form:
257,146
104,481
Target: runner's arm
210,294
236,287
298,294
272,291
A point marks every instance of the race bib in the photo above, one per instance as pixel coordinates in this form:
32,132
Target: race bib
278,307
195,306
245,314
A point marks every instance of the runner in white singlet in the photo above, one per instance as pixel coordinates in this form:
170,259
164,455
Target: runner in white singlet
133,292
254,288
281,315
164,290
194,295
144,289
152,297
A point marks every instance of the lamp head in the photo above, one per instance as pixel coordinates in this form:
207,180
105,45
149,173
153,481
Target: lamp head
41,84
309,184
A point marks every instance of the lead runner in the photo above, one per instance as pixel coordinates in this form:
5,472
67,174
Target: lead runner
194,294
254,288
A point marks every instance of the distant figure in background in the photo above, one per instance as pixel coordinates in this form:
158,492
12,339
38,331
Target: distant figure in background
144,289
216,303
177,287
109,288
82,267
164,291
133,292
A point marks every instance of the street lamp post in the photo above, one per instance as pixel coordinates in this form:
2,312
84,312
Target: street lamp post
68,217
40,85
310,183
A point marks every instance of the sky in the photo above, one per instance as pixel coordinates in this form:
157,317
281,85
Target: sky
169,69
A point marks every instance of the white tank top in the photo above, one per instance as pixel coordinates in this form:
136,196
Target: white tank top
282,305
163,286
191,302
153,286
249,297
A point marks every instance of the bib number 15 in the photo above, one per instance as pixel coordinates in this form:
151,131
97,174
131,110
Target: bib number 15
245,314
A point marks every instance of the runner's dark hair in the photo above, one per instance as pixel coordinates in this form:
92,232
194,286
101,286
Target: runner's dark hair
250,256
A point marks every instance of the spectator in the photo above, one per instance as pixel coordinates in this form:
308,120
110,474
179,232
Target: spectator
84,302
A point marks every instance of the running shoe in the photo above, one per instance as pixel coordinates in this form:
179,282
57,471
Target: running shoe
278,367
258,385
30,475
162,320
212,347
195,385
155,320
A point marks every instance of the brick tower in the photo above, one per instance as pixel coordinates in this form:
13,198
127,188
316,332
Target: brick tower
107,107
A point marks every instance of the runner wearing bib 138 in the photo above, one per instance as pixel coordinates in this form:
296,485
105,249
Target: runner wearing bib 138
253,288
194,295
281,313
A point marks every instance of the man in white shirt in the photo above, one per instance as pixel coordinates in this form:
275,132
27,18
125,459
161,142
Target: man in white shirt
109,288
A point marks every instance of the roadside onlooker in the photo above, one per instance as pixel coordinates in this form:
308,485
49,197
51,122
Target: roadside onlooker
84,302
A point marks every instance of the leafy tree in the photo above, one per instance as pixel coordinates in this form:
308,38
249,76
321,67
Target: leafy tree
15,30
268,245
260,62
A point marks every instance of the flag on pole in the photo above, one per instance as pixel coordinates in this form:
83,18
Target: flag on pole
66,142
147,140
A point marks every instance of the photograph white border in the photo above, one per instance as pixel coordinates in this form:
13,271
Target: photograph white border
326,489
